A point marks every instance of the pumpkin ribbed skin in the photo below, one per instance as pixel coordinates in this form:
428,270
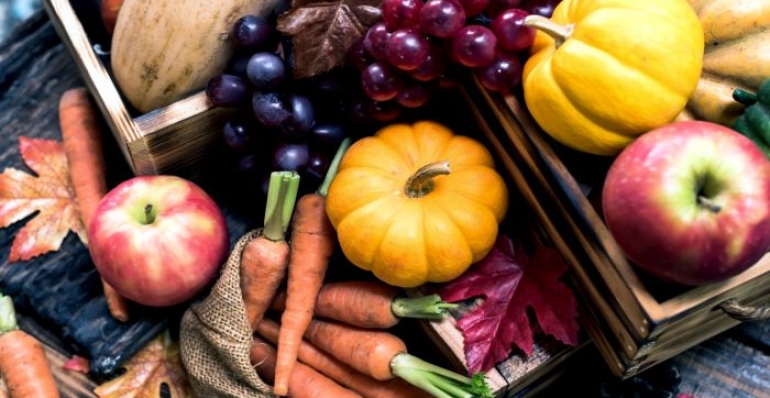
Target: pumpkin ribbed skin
627,67
737,55
407,241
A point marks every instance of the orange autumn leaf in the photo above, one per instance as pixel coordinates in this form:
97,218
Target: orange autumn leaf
156,364
49,193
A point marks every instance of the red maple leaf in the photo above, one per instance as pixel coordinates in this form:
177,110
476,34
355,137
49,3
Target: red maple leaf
510,280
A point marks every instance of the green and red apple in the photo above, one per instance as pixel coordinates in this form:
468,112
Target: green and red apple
158,240
690,202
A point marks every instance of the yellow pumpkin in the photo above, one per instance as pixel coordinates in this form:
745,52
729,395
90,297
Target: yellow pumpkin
737,55
416,203
602,72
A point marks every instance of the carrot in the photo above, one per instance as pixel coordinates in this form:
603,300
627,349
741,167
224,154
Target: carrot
305,382
265,258
82,140
341,372
383,356
23,364
370,304
313,241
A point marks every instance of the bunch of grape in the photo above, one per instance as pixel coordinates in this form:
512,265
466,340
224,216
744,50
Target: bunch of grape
418,42
276,126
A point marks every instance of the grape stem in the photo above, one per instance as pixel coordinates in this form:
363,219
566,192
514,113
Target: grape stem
559,33
281,197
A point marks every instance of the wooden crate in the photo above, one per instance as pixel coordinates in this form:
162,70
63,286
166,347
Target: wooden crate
635,321
173,139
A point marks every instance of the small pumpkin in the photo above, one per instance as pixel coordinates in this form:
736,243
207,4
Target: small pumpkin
416,203
602,72
737,56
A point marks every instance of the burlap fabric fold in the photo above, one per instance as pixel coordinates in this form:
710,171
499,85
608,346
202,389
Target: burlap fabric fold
215,337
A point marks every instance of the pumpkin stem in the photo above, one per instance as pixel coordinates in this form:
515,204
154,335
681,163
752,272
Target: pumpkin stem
421,182
559,33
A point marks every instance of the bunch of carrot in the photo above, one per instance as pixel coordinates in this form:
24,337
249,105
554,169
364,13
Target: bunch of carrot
82,141
283,353
24,368
347,341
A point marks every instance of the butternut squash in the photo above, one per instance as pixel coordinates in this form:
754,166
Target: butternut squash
164,50
737,55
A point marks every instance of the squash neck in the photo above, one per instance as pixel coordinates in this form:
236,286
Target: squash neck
559,33
421,182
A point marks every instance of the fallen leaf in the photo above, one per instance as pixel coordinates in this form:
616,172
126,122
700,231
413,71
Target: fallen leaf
322,31
50,194
510,281
156,364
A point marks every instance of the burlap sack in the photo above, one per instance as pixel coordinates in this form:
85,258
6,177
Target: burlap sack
215,338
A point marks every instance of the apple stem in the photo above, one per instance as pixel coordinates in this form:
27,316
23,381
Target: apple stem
335,164
281,197
709,204
149,215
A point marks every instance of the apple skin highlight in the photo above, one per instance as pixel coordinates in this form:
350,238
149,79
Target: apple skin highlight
690,202
165,259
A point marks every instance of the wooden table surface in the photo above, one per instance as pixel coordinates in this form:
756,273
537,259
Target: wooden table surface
35,69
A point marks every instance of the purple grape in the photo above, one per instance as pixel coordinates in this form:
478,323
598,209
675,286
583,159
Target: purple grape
399,14
316,167
539,7
254,32
380,82
237,134
290,156
495,7
382,111
474,7
432,67
302,116
502,74
326,136
406,49
413,95
376,40
248,163
474,46
271,109
442,18
511,33
266,71
358,56
227,90
237,64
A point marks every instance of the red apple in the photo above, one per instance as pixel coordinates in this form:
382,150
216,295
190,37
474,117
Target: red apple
158,240
690,202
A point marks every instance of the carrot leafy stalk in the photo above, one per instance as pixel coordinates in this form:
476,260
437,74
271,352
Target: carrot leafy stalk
439,382
384,356
23,364
313,241
425,307
7,315
265,258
